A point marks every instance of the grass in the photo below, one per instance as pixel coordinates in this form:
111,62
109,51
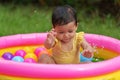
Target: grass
23,20
107,26
31,19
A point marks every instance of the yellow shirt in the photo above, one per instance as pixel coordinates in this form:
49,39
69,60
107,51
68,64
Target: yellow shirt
68,57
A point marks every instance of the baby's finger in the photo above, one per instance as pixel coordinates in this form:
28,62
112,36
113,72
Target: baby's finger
48,35
52,29
51,36
53,32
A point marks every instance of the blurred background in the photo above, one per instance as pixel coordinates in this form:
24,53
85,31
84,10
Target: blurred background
34,16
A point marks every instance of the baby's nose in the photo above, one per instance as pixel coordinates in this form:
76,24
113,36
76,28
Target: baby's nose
66,35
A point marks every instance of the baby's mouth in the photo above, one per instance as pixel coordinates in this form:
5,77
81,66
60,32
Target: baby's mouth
66,39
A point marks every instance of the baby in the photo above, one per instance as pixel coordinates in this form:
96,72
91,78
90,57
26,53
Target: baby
63,39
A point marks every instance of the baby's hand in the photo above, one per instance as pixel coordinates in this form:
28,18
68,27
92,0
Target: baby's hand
51,37
87,53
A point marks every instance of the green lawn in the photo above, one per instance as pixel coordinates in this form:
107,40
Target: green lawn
24,20
31,19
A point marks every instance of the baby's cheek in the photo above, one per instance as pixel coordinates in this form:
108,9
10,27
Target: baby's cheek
60,37
71,36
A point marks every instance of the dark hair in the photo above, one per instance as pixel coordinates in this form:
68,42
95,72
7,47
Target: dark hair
63,15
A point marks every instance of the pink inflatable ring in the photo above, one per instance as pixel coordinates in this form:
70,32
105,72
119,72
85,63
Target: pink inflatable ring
108,69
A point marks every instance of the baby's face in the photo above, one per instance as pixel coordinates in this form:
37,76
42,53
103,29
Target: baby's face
66,33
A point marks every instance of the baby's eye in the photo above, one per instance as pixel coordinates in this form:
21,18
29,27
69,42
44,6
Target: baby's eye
70,31
61,32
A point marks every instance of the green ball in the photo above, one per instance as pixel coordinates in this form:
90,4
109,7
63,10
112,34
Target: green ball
95,59
101,59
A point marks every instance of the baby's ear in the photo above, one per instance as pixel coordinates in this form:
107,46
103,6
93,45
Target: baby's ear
76,28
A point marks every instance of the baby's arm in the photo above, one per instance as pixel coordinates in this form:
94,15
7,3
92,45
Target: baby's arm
50,40
87,49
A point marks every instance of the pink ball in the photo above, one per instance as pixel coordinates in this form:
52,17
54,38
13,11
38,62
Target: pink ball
21,53
38,50
30,60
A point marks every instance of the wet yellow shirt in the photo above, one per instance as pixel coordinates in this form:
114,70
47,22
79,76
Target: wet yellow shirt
68,57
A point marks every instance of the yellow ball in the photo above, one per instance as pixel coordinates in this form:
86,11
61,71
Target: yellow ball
28,49
31,55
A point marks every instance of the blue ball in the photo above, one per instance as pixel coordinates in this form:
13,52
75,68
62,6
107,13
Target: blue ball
85,59
18,59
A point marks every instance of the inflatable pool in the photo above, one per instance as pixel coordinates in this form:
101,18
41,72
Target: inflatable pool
107,48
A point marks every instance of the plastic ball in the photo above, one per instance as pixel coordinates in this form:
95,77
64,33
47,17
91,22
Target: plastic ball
7,56
28,49
21,53
95,59
18,59
85,59
31,55
29,60
101,59
40,50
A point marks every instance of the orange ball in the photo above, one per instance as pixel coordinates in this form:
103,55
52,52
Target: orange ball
40,50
